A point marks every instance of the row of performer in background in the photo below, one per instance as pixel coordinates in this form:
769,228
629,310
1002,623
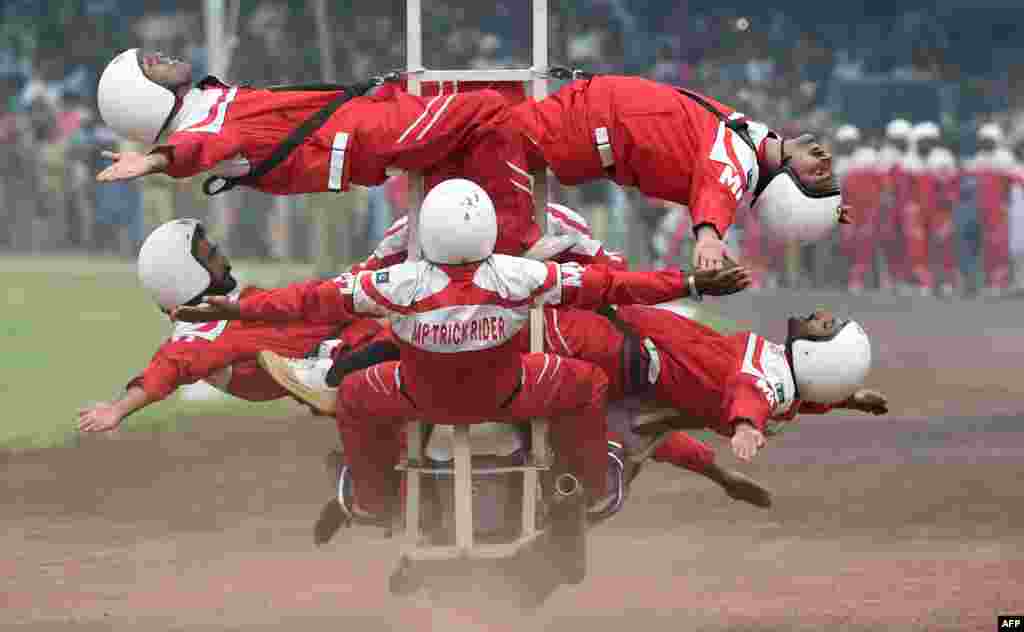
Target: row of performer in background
924,218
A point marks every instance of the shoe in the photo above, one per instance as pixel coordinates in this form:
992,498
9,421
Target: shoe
612,502
739,486
342,510
303,378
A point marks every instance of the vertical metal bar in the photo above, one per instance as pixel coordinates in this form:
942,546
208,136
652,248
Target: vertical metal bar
413,64
538,427
463,489
414,437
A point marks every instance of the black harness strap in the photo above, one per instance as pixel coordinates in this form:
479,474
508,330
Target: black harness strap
219,184
634,360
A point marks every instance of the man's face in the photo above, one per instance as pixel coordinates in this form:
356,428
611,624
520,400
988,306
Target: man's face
811,162
165,70
898,143
820,324
926,145
986,145
211,257
844,147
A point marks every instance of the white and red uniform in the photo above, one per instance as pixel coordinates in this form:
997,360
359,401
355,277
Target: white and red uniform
936,192
223,353
862,183
690,367
227,130
562,221
647,135
994,174
454,325
896,190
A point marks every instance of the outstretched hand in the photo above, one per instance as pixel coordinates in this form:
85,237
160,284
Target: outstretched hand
99,417
845,214
129,165
709,253
214,308
869,401
747,441
723,281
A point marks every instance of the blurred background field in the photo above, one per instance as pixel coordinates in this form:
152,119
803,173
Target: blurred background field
76,329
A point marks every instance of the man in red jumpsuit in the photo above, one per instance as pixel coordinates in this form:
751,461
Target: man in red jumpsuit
178,264
455,314
677,146
862,187
935,192
740,385
895,198
993,169
226,130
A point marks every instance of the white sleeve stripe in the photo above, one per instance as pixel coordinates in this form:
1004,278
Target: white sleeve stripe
437,115
748,357
559,332
547,360
521,187
520,171
418,120
337,167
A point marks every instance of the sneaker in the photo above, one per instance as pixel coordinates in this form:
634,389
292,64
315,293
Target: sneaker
304,378
613,501
342,510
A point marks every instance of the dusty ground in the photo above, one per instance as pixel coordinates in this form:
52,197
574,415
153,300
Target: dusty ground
910,522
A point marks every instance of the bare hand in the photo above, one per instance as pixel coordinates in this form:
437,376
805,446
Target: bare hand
869,401
130,165
215,308
100,417
845,214
747,441
709,253
723,281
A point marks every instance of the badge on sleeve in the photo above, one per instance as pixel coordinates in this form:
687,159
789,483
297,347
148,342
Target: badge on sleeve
381,277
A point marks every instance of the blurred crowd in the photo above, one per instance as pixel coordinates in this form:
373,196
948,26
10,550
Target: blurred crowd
932,200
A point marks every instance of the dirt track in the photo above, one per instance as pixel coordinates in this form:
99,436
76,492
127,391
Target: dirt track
910,522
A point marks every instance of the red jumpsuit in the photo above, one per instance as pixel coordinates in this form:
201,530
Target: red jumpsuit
562,220
895,198
936,192
697,370
993,171
862,189
454,325
223,353
647,135
229,129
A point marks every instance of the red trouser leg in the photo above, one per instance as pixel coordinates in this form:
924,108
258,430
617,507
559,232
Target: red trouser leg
945,233
682,450
865,236
997,246
915,238
573,395
370,415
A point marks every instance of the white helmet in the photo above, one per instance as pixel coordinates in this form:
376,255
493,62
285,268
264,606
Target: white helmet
847,134
926,131
790,210
898,129
131,104
991,131
457,223
829,370
168,267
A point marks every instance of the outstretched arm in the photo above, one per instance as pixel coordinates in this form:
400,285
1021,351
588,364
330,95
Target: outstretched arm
104,416
594,286
321,301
